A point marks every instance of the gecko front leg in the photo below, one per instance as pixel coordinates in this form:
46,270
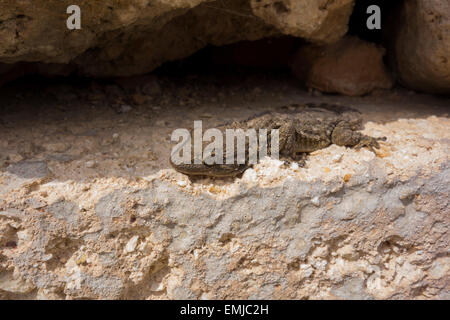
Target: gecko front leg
346,135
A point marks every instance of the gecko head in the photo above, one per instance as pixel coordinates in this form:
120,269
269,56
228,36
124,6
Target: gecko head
355,123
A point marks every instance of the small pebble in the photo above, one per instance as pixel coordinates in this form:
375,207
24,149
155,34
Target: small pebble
139,98
131,245
57,147
182,183
125,108
90,164
315,201
250,175
337,158
347,177
15,157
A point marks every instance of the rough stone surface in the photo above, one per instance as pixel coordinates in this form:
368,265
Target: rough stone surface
351,66
319,21
421,45
350,224
136,36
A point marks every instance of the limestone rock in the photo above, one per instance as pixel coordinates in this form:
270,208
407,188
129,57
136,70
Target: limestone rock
421,47
135,37
364,226
316,21
351,66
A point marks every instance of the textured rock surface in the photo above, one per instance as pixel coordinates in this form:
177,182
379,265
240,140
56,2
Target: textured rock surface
421,49
137,36
90,209
351,66
318,21
375,236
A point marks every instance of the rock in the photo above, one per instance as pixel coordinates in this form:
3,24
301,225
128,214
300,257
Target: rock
29,169
182,183
352,226
352,289
14,157
57,147
90,164
123,39
125,108
421,46
36,203
14,285
139,99
351,66
259,232
313,20
27,149
64,210
131,244
315,201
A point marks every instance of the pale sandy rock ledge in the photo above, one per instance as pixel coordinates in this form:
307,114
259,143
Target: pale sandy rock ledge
95,215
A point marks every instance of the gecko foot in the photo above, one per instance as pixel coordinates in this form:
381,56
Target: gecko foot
370,143
300,158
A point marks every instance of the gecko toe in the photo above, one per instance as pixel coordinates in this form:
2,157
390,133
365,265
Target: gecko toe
370,143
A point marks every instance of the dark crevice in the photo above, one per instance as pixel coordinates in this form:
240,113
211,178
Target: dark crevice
268,54
358,20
